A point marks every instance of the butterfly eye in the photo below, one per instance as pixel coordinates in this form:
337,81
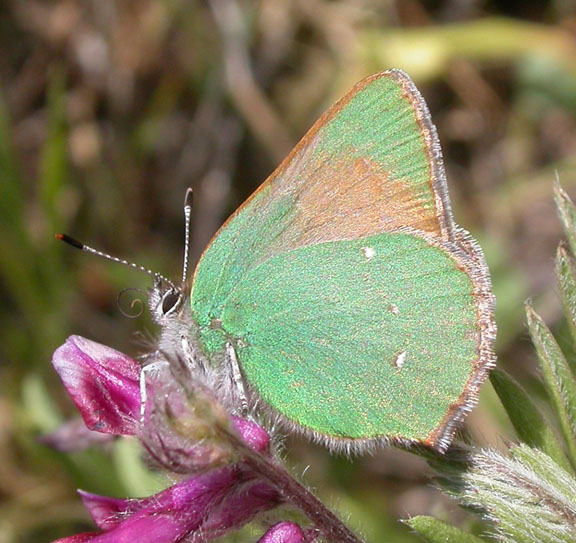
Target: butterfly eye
170,301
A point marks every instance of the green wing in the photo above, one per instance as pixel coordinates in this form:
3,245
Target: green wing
356,307
356,339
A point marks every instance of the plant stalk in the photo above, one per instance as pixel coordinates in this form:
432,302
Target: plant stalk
327,523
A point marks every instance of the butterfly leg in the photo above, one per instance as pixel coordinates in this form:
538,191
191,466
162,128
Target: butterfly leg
192,360
149,369
236,378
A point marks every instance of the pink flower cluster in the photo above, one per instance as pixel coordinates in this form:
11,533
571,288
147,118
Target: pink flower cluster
184,431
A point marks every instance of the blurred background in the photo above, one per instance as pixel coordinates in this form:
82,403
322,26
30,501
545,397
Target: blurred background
109,110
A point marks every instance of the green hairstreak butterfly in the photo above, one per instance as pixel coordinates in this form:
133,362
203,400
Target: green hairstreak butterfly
341,295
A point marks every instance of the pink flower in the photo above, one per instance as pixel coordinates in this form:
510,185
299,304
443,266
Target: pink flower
284,532
213,504
103,383
219,493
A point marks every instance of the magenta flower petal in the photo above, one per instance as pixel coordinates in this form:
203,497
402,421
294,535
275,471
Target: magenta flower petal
168,516
253,434
240,507
212,503
78,538
74,436
103,383
284,532
107,512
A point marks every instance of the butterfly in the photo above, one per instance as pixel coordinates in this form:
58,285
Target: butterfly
342,297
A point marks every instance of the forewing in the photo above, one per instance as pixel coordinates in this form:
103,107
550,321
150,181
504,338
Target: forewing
370,164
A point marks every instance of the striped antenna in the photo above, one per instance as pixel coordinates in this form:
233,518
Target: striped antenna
76,244
187,214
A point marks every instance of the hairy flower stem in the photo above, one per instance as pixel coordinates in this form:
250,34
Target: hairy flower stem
326,522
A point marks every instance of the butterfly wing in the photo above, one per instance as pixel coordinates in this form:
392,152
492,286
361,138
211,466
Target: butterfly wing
359,311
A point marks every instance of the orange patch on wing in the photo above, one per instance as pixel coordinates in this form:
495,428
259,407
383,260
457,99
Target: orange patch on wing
352,199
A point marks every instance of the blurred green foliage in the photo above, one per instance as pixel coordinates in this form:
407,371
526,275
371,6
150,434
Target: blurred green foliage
110,110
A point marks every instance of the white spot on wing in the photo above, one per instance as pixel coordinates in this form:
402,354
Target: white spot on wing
400,359
369,252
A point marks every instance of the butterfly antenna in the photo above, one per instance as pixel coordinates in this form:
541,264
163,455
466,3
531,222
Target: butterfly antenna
77,245
188,215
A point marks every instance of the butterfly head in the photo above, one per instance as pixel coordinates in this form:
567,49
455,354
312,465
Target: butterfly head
165,300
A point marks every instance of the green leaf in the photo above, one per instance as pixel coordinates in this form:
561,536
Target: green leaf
54,162
528,497
567,214
567,281
528,421
558,379
11,185
558,480
38,405
435,531
131,469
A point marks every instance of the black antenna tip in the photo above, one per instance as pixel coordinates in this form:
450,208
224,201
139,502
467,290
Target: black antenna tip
70,241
